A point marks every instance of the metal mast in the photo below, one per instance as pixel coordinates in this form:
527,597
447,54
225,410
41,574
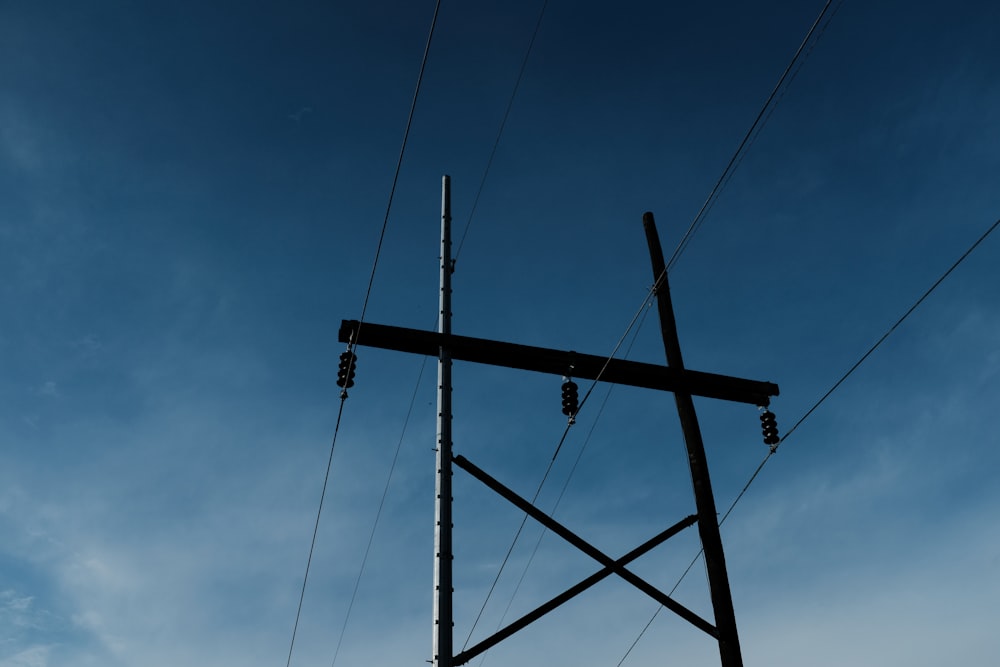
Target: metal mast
443,621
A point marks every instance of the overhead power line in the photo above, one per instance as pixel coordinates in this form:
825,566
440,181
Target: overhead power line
816,405
758,124
555,454
312,543
399,160
891,329
479,192
378,513
744,145
565,486
503,124
353,343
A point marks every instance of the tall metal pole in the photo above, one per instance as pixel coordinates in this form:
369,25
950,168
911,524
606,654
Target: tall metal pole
443,613
708,522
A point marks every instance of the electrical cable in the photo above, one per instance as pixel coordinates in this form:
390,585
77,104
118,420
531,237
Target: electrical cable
517,536
562,492
748,138
818,403
378,513
660,279
399,163
684,241
555,454
503,123
482,183
364,309
893,327
734,162
319,512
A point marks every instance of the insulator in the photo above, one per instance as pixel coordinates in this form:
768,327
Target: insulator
769,426
570,399
345,371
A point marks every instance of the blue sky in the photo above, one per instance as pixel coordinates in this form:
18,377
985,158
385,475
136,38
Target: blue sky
191,195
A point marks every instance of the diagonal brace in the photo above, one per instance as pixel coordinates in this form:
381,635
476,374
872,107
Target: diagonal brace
573,591
586,547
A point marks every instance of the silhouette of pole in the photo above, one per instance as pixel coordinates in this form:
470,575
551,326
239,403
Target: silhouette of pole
673,377
708,523
443,588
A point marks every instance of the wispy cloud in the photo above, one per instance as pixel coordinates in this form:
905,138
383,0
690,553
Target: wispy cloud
87,345
47,388
300,114
35,656
20,142
15,608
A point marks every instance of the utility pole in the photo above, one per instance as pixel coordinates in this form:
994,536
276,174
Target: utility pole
443,587
708,523
673,377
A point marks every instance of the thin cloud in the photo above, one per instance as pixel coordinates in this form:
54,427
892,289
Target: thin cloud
35,656
87,345
300,114
48,388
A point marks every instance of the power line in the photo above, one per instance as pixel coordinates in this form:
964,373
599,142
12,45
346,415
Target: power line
489,162
353,343
517,536
755,128
503,123
399,160
319,512
482,183
758,124
762,115
818,403
893,328
569,477
734,161
468,225
555,454
378,514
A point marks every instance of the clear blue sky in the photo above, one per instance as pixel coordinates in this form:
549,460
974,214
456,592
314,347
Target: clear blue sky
191,195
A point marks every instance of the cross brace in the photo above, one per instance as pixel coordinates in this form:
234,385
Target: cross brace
558,362
611,566
572,591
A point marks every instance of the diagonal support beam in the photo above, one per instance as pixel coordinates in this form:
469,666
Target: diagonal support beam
586,547
573,591
558,362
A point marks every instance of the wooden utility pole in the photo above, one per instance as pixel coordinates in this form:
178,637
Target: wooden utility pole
708,523
673,377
